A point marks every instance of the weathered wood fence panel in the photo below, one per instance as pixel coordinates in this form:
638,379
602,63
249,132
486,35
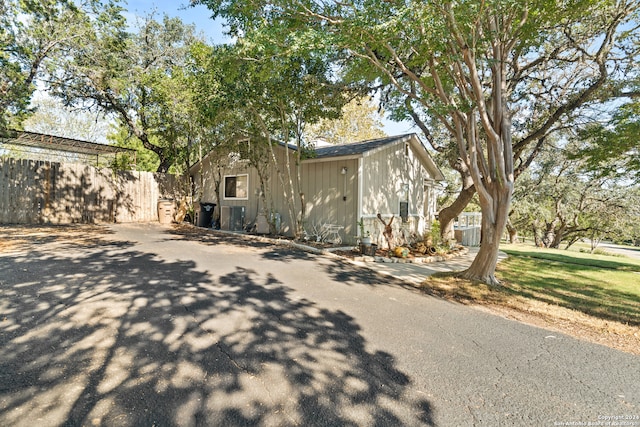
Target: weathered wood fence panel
36,192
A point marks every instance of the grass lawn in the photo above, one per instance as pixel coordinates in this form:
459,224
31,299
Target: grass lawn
599,285
593,295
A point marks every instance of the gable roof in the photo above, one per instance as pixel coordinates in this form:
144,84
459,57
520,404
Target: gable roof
364,148
357,147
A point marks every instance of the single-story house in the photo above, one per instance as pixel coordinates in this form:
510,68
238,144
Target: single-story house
342,185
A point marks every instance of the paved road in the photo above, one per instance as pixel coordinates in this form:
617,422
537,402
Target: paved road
147,327
628,251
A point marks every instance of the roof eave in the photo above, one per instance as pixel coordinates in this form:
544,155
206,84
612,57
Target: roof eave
332,158
427,160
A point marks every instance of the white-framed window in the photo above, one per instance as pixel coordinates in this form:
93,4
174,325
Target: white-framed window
236,187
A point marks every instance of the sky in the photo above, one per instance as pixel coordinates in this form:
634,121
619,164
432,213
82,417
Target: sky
213,30
199,16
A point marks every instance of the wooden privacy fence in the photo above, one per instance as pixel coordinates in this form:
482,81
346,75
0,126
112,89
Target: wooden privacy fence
36,192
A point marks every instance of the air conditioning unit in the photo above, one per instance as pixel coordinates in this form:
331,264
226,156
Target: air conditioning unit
232,218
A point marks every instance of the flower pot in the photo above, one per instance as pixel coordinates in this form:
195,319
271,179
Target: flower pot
368,250
366,241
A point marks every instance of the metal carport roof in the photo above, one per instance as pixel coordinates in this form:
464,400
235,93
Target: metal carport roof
53,143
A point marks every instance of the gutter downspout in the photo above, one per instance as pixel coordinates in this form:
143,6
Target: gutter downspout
360,192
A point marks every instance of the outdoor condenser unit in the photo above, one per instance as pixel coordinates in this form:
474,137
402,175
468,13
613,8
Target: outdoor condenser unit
232,218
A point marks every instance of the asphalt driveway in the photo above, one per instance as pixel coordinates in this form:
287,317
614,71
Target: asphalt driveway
141,325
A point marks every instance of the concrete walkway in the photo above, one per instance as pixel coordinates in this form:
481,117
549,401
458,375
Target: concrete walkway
416,273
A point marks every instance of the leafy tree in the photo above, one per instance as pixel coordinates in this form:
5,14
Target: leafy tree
498,75
139,77
278,92
145,160
563,200
50,116
360,120
565,79
613,146
33,33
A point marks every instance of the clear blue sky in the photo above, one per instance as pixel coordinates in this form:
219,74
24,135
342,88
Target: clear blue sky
213,30
199,16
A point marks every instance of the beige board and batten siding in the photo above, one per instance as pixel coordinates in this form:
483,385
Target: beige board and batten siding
331,197
280,196
205,175
323,185
385,172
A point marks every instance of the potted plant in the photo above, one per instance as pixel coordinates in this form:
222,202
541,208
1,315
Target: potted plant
366,239
365,236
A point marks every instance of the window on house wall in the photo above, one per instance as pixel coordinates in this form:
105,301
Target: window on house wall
404,202
404,211
236,187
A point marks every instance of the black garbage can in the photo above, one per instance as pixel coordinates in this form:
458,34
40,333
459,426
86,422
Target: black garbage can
206,214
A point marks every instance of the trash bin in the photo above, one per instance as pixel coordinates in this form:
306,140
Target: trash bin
206,214
166,209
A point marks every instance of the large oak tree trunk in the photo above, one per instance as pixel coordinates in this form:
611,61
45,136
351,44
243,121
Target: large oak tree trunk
537,233
448,214
165,164
558,236
513,232
549,233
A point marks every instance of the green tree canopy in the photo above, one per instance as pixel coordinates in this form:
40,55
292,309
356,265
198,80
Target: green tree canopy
360,120
140,77
562,199
499,76
278,90
51,117
32,35
613,147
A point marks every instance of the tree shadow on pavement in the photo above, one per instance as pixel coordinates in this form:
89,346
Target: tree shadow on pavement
271,251
344,272
103,334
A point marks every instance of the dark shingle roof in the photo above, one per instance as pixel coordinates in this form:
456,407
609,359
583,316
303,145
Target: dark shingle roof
356,148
